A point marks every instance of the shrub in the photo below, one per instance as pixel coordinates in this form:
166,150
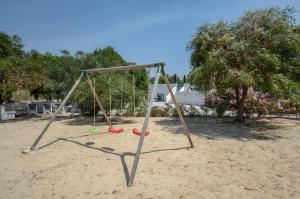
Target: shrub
218,101
159,111
257,103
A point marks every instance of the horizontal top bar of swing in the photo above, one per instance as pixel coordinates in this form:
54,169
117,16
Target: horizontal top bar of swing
124,68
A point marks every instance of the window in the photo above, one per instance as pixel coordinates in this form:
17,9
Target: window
160,97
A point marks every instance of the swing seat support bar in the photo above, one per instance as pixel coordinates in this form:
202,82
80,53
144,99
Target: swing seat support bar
125,68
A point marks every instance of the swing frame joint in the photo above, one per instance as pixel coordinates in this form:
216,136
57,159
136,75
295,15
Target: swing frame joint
161,64
84,74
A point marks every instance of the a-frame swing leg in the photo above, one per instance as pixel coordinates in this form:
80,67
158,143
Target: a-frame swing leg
145,126
185,129
33,147
98,100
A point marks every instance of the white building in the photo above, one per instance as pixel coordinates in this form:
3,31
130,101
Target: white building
183,94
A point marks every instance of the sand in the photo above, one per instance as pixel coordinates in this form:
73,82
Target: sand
260,160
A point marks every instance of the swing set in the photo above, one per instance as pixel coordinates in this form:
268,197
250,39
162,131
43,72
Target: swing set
112,129
143,132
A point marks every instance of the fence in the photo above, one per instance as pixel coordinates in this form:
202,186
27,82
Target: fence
10,110
20,108
6,115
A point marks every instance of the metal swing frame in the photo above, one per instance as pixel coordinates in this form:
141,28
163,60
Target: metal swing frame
160,71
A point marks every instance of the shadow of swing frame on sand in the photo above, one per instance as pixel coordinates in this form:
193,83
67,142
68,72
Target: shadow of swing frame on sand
222,128
209,128
109,150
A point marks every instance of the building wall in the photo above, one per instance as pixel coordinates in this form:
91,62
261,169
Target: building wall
191,98
183,94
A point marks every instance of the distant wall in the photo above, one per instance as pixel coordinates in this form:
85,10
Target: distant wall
21,108
183,94
191,98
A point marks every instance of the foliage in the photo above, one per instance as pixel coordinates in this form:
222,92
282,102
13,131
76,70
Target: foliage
49,76
166,111
121,88
120,85
10,45
18,70
158,111
261,51
257,103
220,102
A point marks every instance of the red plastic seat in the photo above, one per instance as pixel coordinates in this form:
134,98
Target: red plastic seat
114,130
138,132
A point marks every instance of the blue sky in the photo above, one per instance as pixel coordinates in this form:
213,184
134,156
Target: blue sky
141,31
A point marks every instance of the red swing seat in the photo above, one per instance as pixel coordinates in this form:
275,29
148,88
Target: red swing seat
115,130
138,132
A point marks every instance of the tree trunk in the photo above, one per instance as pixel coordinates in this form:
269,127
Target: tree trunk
9,97
240,113
240,102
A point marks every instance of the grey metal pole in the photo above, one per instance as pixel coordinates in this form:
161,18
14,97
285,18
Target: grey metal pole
145,126
33,147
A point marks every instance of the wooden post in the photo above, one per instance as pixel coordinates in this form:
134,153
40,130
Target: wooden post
94,102
33,147
97,99
185,129
121,113
109,83
145,126
133,92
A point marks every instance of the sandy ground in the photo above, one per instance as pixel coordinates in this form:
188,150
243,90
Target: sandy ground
228,161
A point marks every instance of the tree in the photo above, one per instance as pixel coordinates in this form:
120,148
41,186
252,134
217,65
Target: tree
260,51
121,84
49,76
18,70
10,45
